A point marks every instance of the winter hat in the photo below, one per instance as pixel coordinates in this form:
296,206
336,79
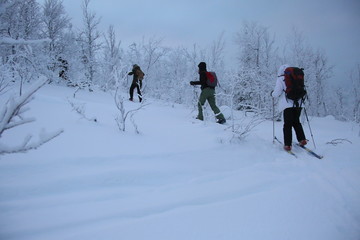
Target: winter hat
282,69
202,66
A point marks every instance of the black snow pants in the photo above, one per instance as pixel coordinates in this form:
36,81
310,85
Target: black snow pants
292,120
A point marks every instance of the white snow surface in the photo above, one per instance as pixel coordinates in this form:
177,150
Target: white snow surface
178,179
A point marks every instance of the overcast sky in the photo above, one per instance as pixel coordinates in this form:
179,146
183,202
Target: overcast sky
333,25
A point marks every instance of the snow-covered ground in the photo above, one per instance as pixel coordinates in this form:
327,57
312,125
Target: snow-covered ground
177,179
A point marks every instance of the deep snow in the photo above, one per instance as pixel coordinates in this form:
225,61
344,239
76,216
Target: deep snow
178,179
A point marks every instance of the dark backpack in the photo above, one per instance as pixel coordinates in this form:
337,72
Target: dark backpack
211,79
294,82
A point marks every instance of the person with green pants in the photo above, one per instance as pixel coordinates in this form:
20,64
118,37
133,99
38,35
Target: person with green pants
207,93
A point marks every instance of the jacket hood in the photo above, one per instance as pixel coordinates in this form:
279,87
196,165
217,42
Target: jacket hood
282,69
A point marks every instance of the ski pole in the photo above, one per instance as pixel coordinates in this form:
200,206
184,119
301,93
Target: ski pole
273,118
312,136
196,96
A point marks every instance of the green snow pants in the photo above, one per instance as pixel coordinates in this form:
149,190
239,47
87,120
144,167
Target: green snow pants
209,95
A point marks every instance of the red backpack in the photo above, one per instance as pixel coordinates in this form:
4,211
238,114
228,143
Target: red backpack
294,82
211,80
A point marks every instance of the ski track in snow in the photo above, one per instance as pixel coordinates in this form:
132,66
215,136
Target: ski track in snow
151,195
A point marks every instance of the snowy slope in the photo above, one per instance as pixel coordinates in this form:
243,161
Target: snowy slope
177,179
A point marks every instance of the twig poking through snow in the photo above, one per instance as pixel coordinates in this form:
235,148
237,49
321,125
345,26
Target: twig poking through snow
121,118
338,141
80,109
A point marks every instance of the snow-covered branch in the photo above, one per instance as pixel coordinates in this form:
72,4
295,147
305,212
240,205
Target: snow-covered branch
27,145
242,130
8,40
11,115
15,107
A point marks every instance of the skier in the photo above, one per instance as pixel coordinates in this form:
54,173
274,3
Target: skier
138,76
63,68
207,93
291,112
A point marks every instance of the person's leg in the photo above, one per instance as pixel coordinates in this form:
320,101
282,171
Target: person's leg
139,92
212,102
132,87
288,123
201,103
299,131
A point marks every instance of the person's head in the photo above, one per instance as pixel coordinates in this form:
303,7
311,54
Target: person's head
135,66
282,69
202,67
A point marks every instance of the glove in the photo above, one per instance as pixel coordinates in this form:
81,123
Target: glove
192,83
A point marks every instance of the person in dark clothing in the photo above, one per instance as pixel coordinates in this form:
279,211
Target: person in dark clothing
207,93
63,65
291,112
138,76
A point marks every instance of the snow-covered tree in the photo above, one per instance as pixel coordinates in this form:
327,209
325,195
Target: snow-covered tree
316,68
20,43
297,51
177,72
5,78
22,61
323,72
56,25
112,69
20,19
355,79
55,22
89,41
217,54
337,100
149,55
257,66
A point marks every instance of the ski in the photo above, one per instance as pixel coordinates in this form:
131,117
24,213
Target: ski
291,153
288,151
311,152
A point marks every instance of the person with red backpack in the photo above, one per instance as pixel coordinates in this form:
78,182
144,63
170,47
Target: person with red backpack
208,82
287,87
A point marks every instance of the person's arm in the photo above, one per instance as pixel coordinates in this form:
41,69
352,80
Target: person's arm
202,80
278,90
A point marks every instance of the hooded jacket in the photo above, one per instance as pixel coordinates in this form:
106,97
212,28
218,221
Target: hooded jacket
202,76
279,90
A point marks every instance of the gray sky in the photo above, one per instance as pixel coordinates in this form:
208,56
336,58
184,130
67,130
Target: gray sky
333,25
